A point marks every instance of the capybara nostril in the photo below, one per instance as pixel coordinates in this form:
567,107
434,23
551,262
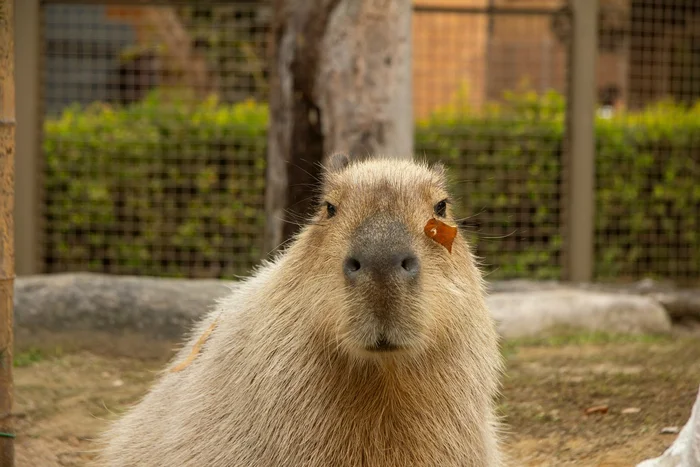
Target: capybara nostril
351,266
382,250
379,262
410,265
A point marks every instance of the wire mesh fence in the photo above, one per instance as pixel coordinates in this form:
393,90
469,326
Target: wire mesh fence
648,148
490,87
154,137
155,117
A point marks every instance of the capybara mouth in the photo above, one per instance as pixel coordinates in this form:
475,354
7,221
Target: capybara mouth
383,345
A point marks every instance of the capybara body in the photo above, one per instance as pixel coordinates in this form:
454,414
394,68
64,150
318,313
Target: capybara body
365,343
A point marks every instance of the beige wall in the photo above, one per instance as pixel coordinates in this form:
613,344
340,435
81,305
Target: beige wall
453,50
448,53
450,49
524,50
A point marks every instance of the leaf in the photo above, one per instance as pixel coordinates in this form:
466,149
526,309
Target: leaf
441,233
597,409
195,350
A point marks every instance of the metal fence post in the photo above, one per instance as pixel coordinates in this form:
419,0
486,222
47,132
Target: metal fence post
28,187
581,141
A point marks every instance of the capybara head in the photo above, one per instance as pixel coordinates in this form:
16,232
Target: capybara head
388,289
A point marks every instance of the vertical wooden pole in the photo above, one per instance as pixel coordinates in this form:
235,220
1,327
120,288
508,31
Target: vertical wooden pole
581,140
27,139
7,264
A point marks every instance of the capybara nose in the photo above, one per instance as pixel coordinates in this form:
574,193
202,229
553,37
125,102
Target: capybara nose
381,251
400,265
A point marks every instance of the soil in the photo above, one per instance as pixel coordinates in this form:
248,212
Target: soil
64,399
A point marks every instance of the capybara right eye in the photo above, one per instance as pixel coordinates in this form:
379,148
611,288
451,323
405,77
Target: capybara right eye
352,265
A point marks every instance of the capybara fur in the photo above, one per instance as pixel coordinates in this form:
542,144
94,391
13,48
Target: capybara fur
364,343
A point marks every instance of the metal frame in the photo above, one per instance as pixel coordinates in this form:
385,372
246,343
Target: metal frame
487,10
579,163
578,166
145,2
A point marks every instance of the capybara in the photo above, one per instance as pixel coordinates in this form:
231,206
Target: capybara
365,342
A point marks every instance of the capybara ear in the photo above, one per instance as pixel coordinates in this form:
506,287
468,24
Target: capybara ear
337,162
439,169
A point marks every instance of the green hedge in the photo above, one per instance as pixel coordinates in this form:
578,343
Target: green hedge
175,189
159,187
648,194
506,167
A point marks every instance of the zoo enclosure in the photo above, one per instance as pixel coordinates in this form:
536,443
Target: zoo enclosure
138,170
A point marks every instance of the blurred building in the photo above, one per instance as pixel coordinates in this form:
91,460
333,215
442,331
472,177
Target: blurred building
471,50
647,50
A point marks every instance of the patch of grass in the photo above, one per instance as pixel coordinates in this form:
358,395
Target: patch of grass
565,337
508,348
33,355
28,357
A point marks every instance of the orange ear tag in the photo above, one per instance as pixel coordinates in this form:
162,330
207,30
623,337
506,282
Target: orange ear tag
440,232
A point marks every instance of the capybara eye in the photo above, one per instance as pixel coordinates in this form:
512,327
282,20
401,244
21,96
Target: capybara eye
330,209
441,208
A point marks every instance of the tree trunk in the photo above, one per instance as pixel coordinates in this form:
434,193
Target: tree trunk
340,82
7,263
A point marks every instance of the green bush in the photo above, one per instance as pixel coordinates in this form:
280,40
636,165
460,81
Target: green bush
648,194
168,188
507,166
160,187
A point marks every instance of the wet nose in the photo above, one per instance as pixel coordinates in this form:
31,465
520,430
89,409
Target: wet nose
401,264
381,250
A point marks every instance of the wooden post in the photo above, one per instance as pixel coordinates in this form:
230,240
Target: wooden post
7,263
28,186
581,141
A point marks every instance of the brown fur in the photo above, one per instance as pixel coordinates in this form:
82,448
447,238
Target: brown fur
284,380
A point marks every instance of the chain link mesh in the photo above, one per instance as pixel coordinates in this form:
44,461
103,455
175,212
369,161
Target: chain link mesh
155,121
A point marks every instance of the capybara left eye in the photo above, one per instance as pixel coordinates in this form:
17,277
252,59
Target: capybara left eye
330,209
441,208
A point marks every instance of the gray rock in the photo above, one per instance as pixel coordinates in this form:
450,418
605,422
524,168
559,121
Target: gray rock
161,308
647,286
529,314
681,305
642,287
165,308
521,285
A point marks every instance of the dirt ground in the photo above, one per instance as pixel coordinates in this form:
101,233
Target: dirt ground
63,399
